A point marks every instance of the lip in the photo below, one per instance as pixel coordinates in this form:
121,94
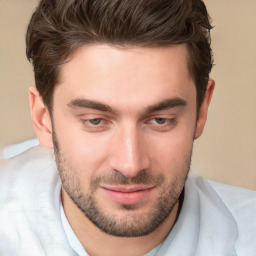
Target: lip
128,194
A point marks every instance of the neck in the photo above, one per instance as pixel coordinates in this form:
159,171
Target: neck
97,243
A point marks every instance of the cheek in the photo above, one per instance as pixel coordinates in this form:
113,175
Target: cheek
173,151
85,151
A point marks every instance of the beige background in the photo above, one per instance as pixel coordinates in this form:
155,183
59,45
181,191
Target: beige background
227,150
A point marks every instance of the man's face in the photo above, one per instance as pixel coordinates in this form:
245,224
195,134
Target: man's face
124,122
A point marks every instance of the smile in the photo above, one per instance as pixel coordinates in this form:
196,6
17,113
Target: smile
129,194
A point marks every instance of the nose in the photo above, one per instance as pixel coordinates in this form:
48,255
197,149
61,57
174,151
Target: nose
128,151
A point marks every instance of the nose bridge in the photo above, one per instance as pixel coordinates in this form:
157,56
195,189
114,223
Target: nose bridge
129,154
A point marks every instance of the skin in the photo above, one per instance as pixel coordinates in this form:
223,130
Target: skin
119,113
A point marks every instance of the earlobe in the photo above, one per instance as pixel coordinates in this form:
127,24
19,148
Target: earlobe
41,118
202,115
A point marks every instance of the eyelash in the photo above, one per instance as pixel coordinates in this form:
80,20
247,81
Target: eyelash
95,127
166,126
103,124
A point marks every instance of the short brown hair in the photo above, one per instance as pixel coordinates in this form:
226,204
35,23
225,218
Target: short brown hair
59,27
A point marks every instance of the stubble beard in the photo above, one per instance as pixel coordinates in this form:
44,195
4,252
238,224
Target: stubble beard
131,223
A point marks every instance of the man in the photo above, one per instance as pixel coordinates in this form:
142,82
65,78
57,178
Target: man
122,91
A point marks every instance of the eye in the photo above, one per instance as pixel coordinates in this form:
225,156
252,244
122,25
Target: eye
96,124
95,121
161,124
160,120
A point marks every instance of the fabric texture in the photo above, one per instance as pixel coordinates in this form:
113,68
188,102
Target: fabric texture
215,220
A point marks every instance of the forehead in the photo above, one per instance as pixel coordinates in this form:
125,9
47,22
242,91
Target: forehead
107,73
104,57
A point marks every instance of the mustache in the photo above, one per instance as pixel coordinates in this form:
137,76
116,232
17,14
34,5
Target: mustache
116,177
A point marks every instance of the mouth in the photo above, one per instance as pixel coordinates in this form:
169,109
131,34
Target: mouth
128,194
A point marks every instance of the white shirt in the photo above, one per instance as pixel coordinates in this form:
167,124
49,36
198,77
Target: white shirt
215,220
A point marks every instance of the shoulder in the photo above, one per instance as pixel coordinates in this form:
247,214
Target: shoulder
27,172
239,202
29,205
233,196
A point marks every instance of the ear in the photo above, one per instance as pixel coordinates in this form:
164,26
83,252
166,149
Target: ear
202,115
41,118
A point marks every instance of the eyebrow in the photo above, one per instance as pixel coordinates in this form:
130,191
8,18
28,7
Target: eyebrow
166,104
85,103
162,105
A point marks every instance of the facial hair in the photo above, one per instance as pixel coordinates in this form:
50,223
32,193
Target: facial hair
131,223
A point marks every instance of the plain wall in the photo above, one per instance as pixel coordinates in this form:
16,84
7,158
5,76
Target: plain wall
227,150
